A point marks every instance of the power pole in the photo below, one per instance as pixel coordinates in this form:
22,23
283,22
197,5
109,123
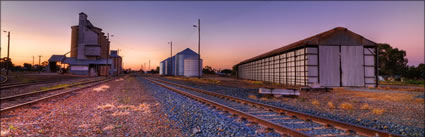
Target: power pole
171,53
149,65
39,65
199,48
107,57
32,60
8,48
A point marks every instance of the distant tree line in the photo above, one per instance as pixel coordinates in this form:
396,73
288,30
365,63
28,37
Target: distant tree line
210,70
24,67
392,63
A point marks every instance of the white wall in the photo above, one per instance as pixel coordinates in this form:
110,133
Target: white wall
329,66
191,67
352,65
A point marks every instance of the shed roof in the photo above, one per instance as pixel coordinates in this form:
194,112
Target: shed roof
56,58
335,36
187,51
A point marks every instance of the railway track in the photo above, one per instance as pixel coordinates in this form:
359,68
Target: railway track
284,121
15,101
22,84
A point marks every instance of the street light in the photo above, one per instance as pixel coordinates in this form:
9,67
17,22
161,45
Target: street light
171,53
8,47
199,47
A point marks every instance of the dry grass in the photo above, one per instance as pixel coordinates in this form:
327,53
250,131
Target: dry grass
202,80
346,106
365,107
252,96
254,82
377,111
264,98
383,96
331,105
315,102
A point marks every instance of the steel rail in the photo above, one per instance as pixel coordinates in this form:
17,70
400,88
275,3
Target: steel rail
49,90
278,128
14,85
304,116
88,85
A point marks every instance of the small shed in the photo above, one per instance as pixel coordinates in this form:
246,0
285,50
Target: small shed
184,63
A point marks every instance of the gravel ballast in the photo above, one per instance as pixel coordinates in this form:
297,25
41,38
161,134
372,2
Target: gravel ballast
197,119
117,108
363,120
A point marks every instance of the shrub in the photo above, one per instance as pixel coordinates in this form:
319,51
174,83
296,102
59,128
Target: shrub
252,96
264,98
346,106
377,111
315,102
331,105
365,107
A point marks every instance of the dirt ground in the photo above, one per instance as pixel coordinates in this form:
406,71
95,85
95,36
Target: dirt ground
400,105
116,108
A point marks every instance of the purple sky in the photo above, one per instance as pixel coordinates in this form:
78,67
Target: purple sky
230,31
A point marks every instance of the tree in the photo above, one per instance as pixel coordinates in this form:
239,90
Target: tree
44,63
208,70
392,61
226,71
3,63
415,72
234,70
27,66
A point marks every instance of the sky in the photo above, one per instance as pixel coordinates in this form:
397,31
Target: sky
230,31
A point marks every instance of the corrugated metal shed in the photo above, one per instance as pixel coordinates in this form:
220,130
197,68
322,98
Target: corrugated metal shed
176,64
336,36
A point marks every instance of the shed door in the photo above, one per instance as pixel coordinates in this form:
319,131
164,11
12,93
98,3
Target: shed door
352,65
329,74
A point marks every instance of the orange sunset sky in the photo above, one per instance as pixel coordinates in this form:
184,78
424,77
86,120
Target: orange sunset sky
230,31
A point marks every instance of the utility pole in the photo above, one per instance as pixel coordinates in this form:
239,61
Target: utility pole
199,47
39,65
32,62
171,53
107,57
149,65
8,48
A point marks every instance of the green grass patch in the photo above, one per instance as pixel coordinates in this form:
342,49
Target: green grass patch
404,83
55,87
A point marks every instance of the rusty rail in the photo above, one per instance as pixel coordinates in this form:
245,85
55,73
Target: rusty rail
96,82
279,128
304,116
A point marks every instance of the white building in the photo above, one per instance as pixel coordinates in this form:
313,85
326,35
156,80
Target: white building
184,63
335,58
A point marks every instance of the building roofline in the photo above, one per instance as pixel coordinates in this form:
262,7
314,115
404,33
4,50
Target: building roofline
313,40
